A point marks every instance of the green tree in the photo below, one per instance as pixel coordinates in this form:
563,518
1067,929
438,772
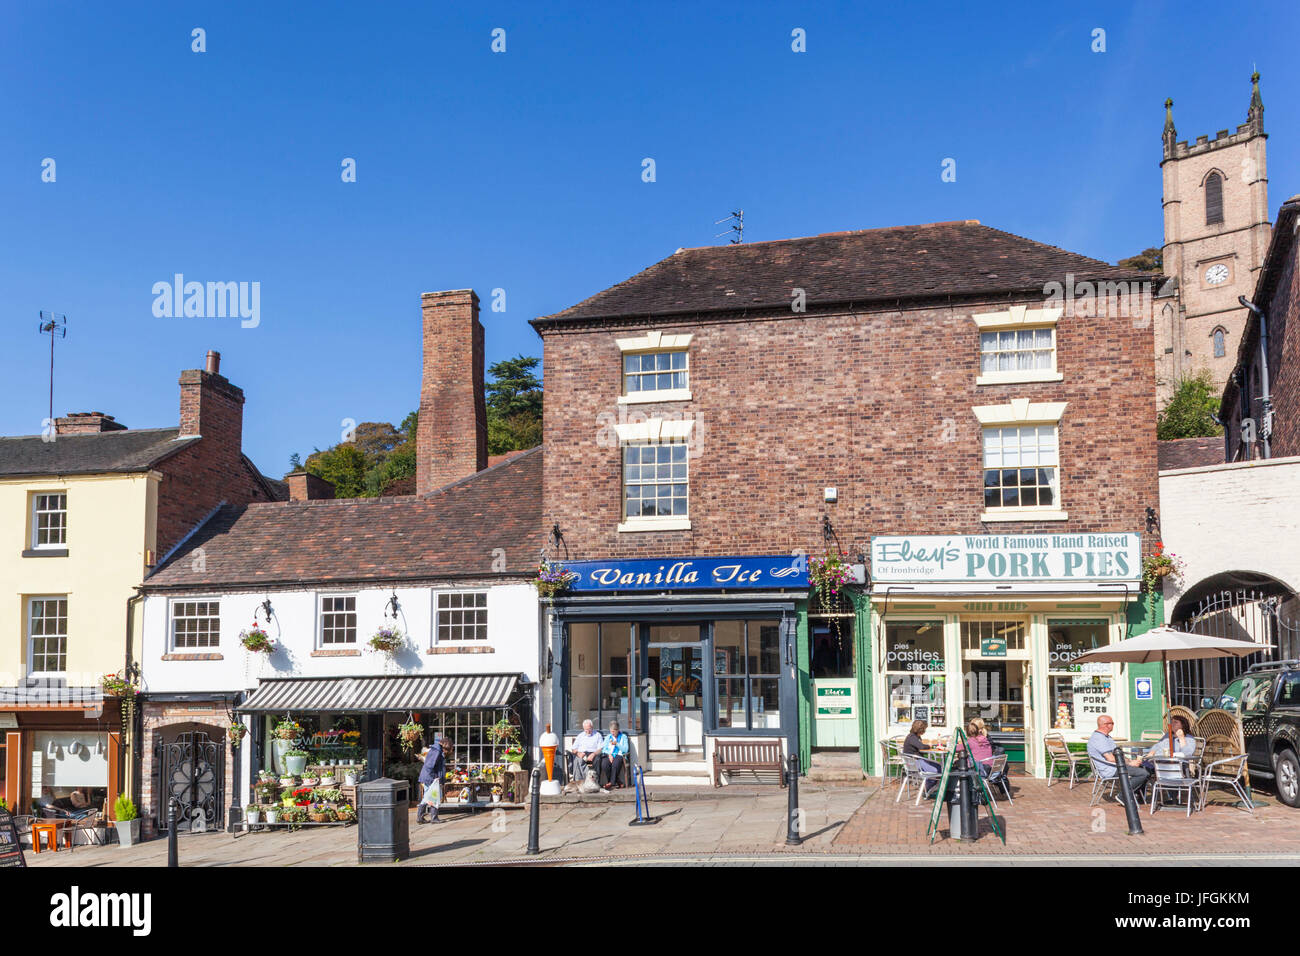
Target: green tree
514,405
344,466
1190,411
1148,260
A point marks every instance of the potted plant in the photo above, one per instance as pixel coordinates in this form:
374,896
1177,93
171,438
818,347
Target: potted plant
828,574
116,686
235,733
350,776
127,820
253,814
552,578
327,778
273,814
1160,564
319,813
345,813
409,735
496,793
266,776
506,735
295,761
387,640
255,640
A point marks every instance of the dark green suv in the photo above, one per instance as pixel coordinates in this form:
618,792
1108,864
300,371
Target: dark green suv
1266,698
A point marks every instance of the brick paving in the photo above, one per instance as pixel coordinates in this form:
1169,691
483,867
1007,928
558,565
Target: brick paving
842,826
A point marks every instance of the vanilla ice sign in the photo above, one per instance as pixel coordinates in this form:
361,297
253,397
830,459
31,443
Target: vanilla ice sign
1007,557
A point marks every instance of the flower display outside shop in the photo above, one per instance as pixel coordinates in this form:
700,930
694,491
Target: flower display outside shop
387,640
255,640
116,686
287,729
829,574
409,735
1160,564
235,733
553,579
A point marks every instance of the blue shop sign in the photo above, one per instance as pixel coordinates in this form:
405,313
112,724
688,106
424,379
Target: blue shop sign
680,574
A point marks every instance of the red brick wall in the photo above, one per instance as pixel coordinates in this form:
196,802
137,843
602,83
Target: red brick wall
155,720
1284,359
877,405
451,439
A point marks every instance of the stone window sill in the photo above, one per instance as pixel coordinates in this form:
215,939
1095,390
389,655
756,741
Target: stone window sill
1017,378
183,656
655,524
336,652
1024,514
666,395
467,649
45,553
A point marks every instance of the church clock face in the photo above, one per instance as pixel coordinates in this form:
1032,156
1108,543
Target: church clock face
1217,274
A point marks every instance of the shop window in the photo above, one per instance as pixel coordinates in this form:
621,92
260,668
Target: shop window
50,520
69,770
338,619
914,672
196,624
47,631
648,372
1018,350
655,480
1020,467
747,674
472,745
1076,696
830,638
462,616
603,683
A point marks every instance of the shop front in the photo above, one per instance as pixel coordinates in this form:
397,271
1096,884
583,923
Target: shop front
681,652
988,626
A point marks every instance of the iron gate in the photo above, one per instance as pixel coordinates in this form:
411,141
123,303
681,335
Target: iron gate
191,768
1240,614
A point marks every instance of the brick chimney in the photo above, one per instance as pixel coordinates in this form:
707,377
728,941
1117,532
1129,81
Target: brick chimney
86,423
212,407
451,440
308,487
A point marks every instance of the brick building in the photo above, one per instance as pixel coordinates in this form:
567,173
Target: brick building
743,406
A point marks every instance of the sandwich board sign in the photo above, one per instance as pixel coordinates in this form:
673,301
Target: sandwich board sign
11,850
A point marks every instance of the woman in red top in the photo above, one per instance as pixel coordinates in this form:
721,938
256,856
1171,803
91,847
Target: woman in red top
981,748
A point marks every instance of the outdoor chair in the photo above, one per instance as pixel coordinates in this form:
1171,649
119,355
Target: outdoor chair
1197,756
1171,776
1101,784
890,756
997,776
1226,772
1059,752
914,773
1150,736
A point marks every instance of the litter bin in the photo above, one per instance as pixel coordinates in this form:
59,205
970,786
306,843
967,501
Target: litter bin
383,820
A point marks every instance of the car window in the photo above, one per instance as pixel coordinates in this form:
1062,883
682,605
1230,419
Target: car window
1228,699
1289,693
1257,693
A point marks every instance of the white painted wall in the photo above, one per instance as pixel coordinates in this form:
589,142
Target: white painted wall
1243,516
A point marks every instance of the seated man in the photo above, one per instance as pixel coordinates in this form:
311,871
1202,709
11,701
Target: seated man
613,755
1102,751
586,750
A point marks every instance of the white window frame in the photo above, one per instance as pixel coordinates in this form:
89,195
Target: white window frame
653,343
1016,318
632,523
1022,413
173,617
31,638
321,598
48,546
437,612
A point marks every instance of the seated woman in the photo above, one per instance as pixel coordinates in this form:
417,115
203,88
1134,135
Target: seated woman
981,748
613,754
1184,742
913,745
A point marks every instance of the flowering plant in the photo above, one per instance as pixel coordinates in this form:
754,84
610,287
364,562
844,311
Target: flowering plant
287,729
1160,563
116,686
388,639
235,733
552,578
828,574
256,640
409,734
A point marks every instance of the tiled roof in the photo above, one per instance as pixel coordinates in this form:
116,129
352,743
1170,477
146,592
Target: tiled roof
406,486
451,532
91,454
869,266
1189,453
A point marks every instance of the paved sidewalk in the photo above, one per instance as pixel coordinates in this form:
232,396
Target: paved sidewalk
842,826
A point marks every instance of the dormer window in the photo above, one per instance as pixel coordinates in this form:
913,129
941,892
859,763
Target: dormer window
656,368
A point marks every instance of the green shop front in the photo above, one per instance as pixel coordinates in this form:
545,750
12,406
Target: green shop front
988,626
681,652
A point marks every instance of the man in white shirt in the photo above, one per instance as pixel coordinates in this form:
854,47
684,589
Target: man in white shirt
586,748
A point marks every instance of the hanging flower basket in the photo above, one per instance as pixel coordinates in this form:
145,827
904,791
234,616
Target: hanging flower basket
235,733
829,574
255,640
387,640
409,735
1160,564
116,686
287,729
553,579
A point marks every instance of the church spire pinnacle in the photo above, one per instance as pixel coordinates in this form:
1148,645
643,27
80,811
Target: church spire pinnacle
1170,134
1256,114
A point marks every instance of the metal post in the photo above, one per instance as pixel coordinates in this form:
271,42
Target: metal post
534,811
236,807
792,836
172,856
1126,795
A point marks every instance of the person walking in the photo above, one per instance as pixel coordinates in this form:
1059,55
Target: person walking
432,775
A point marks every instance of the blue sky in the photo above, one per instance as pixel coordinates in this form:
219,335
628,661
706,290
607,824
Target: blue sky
522,170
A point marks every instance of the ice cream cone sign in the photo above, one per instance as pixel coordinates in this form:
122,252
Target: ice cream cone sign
548,743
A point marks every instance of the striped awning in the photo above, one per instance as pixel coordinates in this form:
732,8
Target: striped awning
376,694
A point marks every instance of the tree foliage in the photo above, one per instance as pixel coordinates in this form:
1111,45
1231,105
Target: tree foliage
1148,260
1190,410
380,453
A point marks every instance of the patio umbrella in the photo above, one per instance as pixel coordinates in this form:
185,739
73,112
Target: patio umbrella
1164,644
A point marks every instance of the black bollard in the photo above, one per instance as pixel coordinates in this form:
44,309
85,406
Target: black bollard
1126,795
172,856
792,835
535,812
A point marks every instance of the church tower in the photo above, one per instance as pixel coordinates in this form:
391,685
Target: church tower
1216,234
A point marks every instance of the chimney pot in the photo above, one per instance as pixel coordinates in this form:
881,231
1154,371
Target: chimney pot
213,364
86,423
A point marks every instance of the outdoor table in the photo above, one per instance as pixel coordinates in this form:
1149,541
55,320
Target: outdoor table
51,826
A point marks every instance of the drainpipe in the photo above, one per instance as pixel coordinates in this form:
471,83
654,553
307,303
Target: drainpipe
1266,426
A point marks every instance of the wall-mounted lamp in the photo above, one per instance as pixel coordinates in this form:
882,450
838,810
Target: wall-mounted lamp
392,607
266,610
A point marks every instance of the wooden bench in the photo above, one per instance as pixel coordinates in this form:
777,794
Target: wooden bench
730,756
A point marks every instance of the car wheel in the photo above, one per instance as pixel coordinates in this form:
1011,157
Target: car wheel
1288,778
